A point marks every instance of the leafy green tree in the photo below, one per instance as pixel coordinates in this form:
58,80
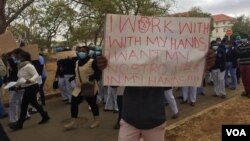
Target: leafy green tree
93,14
242,27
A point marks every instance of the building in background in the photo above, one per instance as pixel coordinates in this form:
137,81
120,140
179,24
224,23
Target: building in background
221,23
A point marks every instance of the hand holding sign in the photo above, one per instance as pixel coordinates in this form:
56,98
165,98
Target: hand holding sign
155,51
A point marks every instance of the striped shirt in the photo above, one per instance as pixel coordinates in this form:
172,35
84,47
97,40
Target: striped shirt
244,53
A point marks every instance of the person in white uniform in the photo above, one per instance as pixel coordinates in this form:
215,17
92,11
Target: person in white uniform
172,103
189,95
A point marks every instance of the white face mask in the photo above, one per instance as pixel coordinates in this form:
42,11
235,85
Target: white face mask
215,47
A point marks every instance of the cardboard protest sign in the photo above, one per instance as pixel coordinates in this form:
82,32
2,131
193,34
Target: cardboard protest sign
155,51
7,43
65,54
33,50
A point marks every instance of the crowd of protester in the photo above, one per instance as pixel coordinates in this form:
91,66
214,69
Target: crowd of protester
230,60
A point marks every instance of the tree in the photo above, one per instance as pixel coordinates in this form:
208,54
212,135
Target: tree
8,13
241,27
196,12
56,18
94,12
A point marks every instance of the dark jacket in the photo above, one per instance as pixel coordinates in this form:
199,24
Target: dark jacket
220,61
38,66
69,66
12,70
12,77
231,56
59,70
144,107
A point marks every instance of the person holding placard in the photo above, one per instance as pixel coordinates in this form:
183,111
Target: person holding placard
143,113
27,80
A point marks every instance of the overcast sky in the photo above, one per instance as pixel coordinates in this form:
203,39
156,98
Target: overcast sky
232,8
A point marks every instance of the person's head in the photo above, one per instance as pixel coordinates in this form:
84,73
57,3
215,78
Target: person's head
83,52
224,41
20,55
218,40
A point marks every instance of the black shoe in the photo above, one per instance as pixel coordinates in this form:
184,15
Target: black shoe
45,119
15,126
202,93
179,97
192,104
175,116
243,94
184,102
4,115
223,96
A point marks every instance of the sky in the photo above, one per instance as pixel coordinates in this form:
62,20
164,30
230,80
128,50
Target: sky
233,8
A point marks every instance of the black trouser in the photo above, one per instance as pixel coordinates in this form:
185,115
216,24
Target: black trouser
238,74
119,104
41,91
75,101
3,135
29,97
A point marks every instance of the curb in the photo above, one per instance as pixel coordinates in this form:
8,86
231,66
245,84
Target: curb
183,121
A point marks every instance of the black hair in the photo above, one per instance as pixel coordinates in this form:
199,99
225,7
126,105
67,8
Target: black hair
25,56
85,47
17,51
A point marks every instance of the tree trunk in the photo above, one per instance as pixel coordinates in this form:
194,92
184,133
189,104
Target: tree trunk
2,16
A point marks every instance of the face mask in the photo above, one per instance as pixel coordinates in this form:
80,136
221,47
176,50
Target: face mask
215,47
82,55
98,53
98,49
91,52
17,61
13,58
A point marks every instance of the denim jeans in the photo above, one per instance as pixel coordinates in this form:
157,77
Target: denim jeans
2,110
229,68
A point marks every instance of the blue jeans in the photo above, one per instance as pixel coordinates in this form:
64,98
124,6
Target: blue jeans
2,111
229,67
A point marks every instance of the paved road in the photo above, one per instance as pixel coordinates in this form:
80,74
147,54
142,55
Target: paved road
59,112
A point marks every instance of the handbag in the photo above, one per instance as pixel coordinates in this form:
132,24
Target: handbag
87,89
55,84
